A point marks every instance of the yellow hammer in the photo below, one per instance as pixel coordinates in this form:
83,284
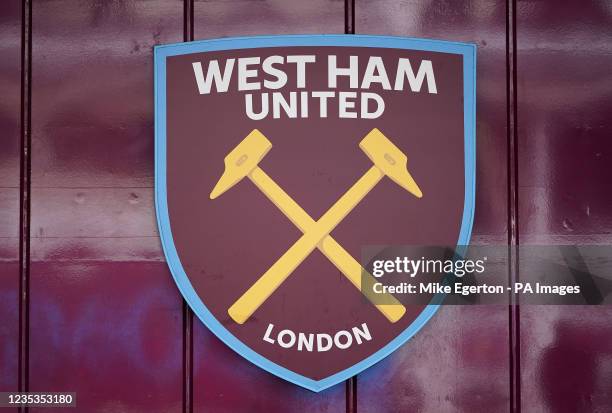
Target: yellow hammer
388,160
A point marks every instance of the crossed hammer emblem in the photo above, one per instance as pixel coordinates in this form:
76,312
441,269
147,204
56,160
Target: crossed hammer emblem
243,161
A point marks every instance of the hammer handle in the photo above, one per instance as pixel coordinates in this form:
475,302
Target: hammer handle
259,292
392,309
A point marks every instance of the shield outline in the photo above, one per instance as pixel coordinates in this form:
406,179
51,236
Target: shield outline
468,52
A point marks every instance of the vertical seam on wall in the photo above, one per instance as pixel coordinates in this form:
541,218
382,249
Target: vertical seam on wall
349,16
188,20
187,313
514,335
351,384
25,173
187,357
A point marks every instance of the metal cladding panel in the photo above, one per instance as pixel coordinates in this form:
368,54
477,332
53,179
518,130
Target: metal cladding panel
105,316
565,153
10,79
223,380
459,362
106,319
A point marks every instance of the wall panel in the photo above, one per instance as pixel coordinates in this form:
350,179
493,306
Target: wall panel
565,153
10,81
105,313
459,361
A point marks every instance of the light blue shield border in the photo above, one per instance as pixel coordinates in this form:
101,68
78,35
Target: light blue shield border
467,50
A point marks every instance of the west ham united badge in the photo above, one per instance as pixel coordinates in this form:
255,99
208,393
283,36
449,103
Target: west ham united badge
279,158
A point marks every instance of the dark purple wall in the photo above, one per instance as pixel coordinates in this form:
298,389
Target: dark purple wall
565,192
10,147
105,318
459,361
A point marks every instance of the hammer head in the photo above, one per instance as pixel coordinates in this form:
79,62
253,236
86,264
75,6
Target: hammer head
241,161
390,160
